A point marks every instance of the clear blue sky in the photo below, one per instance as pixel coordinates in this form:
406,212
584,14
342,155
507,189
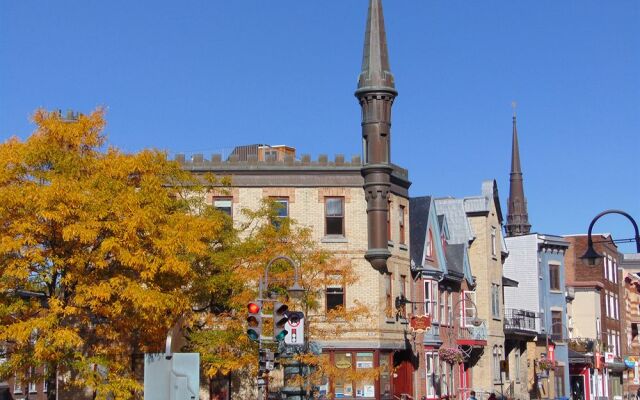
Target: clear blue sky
203,76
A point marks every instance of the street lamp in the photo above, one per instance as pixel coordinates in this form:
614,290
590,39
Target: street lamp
296,290
591,255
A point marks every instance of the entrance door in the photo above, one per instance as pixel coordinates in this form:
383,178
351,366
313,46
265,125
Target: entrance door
403,377
577,387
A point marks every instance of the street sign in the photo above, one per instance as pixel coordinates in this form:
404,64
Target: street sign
295,327
174,378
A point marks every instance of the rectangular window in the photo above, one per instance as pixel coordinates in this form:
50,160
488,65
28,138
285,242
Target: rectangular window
401,222
17,385
554,277
615,271
517,364
385,375
335,293
334,216
342,386
611,272
497,356
431,299
365,387
403,293
611,306
605,266
559,382
32,385
606,303
282,210
469,308
45,383
494,246
450,308
556,324
616,306
388,296
495,301
432,364
224,204
443,305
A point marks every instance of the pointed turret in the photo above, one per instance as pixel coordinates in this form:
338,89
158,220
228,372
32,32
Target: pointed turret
517,217
376,92
376,74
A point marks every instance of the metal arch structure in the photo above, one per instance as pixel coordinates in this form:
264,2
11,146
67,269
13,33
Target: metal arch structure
591,254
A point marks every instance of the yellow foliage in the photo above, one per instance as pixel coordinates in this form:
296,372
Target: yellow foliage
98,251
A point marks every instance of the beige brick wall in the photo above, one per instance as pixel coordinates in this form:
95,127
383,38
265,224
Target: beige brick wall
306,206
487,269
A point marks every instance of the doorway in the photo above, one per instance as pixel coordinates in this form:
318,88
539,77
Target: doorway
577,387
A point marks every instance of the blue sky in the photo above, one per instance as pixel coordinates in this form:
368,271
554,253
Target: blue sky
203,76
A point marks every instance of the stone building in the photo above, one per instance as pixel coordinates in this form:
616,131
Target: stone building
487,253
357,209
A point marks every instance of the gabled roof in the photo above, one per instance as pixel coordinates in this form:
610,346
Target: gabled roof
457,223
419,214
455,259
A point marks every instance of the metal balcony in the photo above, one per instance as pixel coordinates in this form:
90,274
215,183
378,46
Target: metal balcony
472,335
520,322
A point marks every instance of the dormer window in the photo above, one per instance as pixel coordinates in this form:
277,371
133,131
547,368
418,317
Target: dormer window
429,245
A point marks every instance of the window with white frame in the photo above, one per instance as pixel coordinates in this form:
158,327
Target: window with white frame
611,306
334,216
605,265
401,223
431,299
468,308
17,385
446,379
32,383
611,272
428,248
432,367
45,383
450,308
443,308
494,245
616,306
606,303
615,271
282,210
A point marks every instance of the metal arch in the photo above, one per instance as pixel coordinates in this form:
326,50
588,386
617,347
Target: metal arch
623,213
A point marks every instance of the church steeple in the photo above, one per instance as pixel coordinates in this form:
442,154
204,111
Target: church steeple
517,217
376,92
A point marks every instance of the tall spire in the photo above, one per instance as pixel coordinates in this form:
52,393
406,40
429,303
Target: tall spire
376,92
517,217
376,72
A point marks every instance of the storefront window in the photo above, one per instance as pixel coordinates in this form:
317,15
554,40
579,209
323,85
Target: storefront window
365,388
343,388
385,377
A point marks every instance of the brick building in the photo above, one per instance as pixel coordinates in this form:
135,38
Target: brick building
630,306
597,315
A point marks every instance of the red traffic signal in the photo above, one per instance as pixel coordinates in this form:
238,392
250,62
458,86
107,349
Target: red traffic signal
253,308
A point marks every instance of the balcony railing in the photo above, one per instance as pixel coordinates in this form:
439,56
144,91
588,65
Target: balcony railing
473,334
520,321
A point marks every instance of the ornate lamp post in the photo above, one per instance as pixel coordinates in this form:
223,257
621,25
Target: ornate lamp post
591,255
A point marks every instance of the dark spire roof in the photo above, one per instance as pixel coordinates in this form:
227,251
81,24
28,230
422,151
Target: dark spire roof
376,74
517,217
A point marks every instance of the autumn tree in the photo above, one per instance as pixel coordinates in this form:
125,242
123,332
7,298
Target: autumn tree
261,236
98,253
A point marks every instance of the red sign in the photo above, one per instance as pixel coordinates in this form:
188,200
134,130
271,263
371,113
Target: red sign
598,361
552,353
420,323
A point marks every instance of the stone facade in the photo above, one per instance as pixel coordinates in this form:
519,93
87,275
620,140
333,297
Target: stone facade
305,186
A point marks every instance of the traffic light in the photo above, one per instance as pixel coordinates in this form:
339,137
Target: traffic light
254,320
280,318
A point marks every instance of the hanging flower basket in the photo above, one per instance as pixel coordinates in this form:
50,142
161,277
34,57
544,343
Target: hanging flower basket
451,355
545,364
